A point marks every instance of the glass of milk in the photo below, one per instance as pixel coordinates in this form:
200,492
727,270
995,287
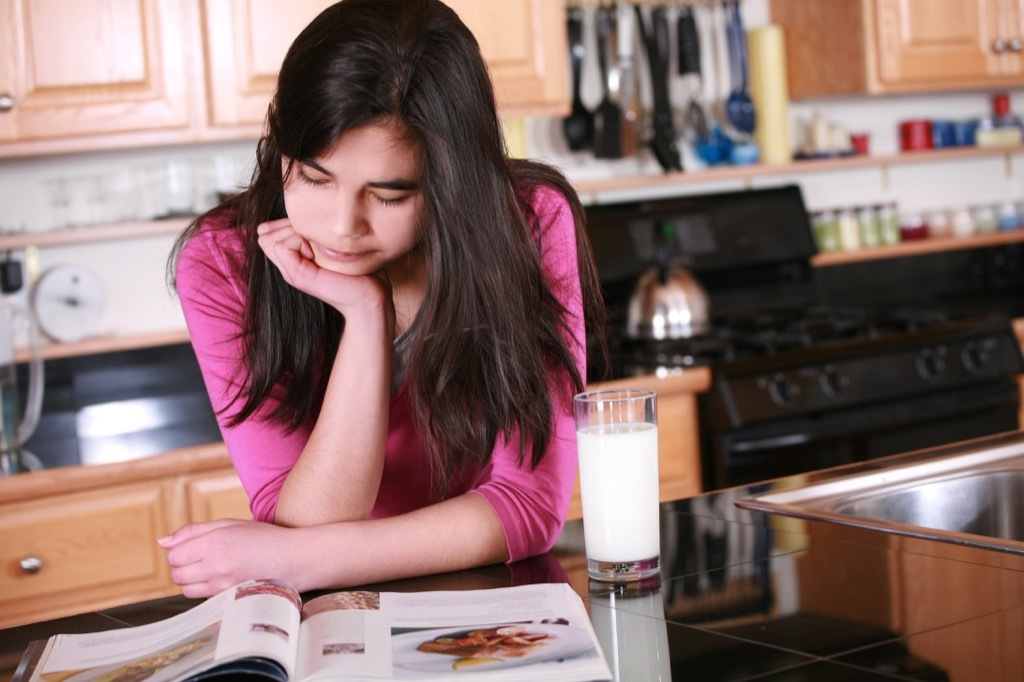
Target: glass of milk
617,437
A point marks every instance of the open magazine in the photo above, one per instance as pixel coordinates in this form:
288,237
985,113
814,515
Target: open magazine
261,627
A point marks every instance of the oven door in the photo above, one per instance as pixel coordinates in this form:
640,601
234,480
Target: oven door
770,449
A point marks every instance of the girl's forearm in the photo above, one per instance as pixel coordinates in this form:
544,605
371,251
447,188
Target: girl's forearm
337,476
459,533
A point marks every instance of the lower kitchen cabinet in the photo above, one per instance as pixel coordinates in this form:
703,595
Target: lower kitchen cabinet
76,540
216,496
81,551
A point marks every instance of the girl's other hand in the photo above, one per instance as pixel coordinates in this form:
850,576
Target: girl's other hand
294,257
207,558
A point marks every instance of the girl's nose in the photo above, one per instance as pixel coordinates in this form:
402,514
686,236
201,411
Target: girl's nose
348,220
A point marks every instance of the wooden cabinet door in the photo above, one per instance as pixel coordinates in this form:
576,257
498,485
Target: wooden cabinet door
216,496
937,41
91,67
245,42
77,552
524,43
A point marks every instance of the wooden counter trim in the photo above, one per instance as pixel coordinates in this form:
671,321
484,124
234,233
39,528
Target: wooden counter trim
693,380
39,484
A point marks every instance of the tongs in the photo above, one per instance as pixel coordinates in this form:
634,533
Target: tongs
656,44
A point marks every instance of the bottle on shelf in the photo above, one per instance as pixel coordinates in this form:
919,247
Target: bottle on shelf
913,227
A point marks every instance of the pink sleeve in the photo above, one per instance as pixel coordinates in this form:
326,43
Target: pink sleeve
210,289
532,505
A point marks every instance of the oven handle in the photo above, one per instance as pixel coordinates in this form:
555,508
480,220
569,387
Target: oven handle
1005,394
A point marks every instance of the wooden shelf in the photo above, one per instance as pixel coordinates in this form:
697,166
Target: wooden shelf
916,248
107,344
589,188
93,233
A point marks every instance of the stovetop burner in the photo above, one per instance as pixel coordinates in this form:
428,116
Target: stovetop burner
769,333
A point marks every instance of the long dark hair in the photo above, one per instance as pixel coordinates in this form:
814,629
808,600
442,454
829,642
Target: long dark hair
490,332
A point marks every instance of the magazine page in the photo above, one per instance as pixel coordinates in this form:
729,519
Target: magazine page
534,632
254,618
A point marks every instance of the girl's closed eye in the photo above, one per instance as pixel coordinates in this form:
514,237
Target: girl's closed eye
390,201
316,182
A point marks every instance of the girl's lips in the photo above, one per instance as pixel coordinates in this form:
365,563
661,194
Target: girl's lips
339,255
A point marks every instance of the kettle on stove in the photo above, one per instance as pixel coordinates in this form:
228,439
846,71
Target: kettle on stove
667,302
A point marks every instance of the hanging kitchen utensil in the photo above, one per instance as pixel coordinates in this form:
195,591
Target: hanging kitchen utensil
663,140
592,82
746,116
608,116
629,97
578,126
723,75
689,48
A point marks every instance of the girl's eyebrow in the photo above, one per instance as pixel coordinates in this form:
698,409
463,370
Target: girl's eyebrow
397,184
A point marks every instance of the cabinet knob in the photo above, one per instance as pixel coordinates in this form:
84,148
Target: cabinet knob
999,46
30,565
6,102
1015,45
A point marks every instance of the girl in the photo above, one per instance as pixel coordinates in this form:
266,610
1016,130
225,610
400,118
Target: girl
390,320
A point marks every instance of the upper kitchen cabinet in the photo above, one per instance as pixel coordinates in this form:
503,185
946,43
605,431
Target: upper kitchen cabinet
847,47
90,68
523,42
245,42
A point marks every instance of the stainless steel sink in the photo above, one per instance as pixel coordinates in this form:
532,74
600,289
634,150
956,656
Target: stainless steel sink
969,493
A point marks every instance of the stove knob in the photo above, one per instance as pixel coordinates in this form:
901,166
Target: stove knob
783,391
832,382
975,356
931,363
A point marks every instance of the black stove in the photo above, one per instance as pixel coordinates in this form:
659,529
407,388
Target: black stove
799,382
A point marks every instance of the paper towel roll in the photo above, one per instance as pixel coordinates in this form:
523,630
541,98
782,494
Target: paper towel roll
770,91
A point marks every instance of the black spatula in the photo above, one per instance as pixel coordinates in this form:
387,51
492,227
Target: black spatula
608,116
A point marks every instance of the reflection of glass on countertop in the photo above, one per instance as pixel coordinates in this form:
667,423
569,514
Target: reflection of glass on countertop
630,624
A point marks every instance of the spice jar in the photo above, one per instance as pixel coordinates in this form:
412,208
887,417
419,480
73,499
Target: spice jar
1009,217
962,222
849,230
888,224
826,230
939,225
986,220
913,227
870,234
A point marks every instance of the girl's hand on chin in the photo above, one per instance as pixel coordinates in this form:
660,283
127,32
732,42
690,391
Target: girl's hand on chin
207,558
294,257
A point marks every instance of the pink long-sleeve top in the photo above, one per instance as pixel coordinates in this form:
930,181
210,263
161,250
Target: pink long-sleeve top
530,504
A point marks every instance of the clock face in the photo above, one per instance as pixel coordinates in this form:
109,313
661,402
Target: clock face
68,302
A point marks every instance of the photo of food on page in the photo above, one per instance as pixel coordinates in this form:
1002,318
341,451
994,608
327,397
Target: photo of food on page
418,652
169,663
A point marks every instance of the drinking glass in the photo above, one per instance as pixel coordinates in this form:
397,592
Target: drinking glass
617,437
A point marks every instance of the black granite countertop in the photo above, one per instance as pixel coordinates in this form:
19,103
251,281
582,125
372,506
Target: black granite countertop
746,595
